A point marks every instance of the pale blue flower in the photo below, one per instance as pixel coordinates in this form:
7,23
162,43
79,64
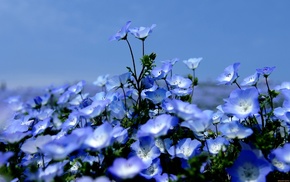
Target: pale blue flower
142,32
229,75
234,129
122,33
249,167
242,103
185,148
126,169
192,63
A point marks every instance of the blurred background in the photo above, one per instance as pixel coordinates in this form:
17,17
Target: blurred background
55,42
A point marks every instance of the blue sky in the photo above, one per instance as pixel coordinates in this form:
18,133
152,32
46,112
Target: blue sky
57,41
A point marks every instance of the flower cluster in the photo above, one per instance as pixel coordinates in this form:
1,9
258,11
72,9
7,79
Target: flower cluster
144,125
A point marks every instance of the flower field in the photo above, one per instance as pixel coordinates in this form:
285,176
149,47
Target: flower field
148,125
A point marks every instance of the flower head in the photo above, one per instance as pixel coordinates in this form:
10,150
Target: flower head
242,103
122,33
125,169
142,32
229,75
266,71
192,63
249,167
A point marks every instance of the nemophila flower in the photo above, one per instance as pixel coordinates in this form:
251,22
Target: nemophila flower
117,109
200,123
51,171
154,169
234,129
158,73
249,167
277,164
95,109
15,103
78,99
283,154
118,81
90,179
101,137
101,80
40,126
126,169
147,82
284,85
122,33
164,177
179,81
120,134
185,148
266,71
145,149
283,114
229,75
142,32
214,146
32,145
167,105
251,80
192,63
163,144
242,103
4,157
59,149
13,137
44,113
185,110
158,126
217,117
158,95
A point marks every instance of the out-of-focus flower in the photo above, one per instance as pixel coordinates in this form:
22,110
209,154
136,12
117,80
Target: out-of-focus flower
122,33
126,169
158,126
214,146
249,167
229,75
185,148
266,71
192,63
142,32
234,129
4,157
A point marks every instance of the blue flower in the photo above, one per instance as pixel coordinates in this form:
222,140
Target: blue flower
142,32
234,129
249,167
179,82
126,169
185,110
266,71
154,169
185,148
158,126
145,149
32,145
251,80
192,63
214,146
242,103
283,154
101,137
122,33
158,95
4,157
229,75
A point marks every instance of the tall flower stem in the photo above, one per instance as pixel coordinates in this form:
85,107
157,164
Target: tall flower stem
193,83
133,60
270,94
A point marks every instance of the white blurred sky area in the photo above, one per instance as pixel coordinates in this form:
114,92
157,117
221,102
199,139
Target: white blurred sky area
44,42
